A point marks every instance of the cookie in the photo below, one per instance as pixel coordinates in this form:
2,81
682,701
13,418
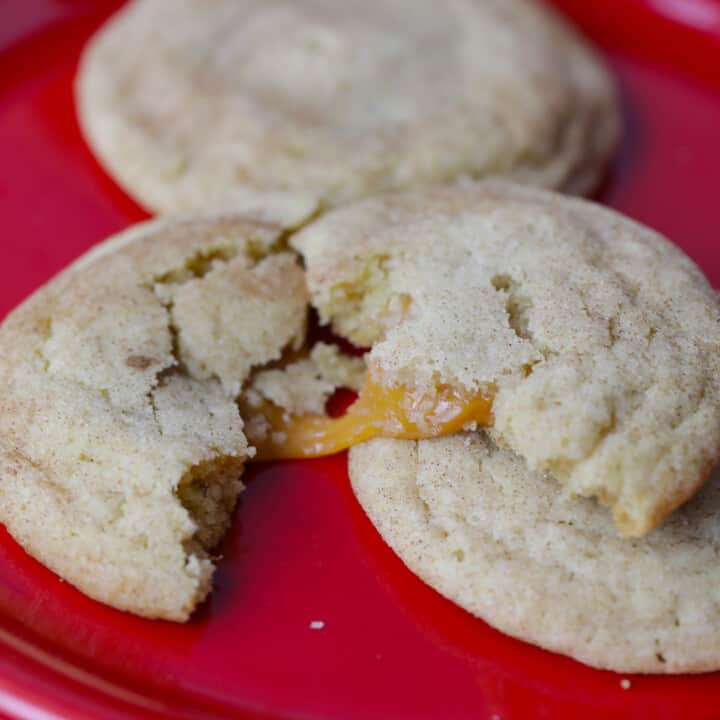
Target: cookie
275,107
304,386
121,443
595,340
504,543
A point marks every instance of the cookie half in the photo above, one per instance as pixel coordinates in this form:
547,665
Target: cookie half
261,106
507,545
121,444
595,339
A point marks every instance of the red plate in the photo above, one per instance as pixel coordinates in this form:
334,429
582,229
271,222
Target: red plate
301,549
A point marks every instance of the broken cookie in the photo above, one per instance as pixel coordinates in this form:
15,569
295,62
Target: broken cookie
586,342
121,444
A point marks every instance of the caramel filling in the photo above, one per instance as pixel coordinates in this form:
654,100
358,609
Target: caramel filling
380,411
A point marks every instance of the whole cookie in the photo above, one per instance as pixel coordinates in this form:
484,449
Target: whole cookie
121,444
275,106
597,340
505,544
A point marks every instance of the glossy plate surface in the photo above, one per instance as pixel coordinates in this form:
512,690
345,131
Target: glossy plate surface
301,549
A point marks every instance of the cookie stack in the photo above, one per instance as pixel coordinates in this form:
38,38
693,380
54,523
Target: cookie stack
539,403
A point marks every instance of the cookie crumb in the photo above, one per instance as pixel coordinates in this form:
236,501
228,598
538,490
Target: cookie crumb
317,625
625,684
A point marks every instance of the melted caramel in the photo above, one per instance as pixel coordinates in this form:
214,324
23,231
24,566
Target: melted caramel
379,411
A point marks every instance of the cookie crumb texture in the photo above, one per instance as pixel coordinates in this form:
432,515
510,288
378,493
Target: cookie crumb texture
507,545
303,387
121,445
276,107
598,339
